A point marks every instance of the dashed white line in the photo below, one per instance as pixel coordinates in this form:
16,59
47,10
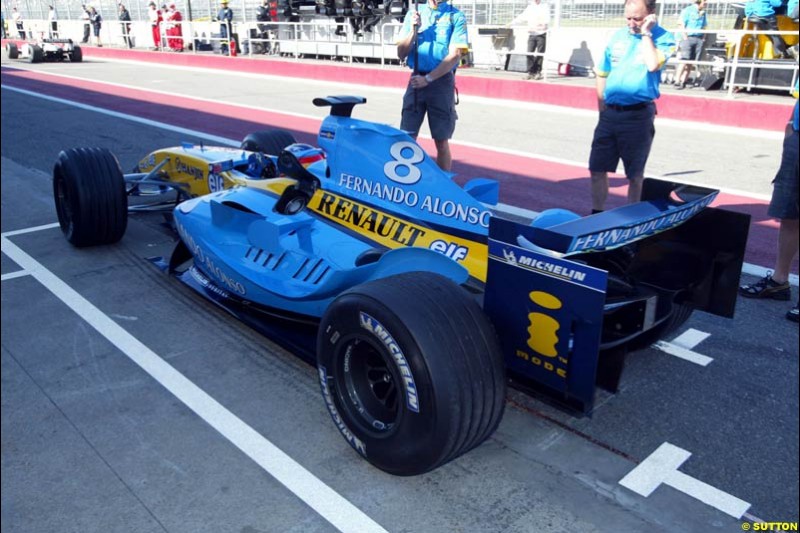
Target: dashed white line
682,346
690,338
661,467
324,500
13,275
683,353
30,230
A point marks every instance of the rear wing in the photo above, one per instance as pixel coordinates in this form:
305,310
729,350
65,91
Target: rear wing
549,306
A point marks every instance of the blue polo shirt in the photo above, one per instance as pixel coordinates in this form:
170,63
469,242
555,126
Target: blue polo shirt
629,82
761,8
439,28
796,115
692,19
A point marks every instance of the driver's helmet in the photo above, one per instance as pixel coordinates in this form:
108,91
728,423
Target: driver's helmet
260,166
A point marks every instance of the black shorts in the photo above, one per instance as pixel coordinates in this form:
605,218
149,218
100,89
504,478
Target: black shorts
784,203
626,135
438,100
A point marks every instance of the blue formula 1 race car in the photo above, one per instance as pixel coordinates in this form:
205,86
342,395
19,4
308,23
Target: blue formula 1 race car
414,298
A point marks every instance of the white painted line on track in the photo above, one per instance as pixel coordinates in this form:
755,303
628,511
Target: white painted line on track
661,467
747,268
324,500
690,338
683,353
30,230
14,275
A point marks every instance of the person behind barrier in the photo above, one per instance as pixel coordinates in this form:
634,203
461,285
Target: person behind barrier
783,206
762,14
225,17
87,23
693,18
16,18
627,87
175,31
52,19
442,36
263,17
125,22
97,23
155,18
536,18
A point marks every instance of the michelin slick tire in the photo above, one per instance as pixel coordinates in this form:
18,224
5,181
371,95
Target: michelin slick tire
270,142
12,50
76,55
89,193
411,371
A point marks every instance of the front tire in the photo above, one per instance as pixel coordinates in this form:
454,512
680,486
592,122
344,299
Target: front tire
89,193
411,371
13,51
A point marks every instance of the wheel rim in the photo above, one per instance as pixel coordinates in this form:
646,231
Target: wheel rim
369,386
63,208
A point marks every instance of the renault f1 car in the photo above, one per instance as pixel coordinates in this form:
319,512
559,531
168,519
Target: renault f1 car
413,297
45,50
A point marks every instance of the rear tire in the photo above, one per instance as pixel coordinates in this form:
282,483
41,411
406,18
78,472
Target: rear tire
13,51
270,142
89,193
678,318
37,54
411,371
76,56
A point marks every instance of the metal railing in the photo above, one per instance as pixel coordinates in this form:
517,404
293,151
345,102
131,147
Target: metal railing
318,38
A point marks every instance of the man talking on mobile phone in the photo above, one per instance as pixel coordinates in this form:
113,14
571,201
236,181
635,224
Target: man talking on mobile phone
627,87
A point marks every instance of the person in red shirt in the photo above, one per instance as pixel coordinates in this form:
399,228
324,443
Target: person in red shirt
175,31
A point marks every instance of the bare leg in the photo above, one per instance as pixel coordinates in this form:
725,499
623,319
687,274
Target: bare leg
787,248
599,190
443,157
635,189
685,74
679,73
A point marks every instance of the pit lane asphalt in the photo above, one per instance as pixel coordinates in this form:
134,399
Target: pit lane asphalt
89,440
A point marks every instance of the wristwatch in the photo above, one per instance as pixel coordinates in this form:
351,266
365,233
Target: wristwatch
428,78
647,34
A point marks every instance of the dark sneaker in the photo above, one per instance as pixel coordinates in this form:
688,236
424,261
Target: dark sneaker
792,314
767,287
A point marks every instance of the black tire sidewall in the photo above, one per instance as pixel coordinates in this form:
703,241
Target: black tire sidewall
270,142
416,440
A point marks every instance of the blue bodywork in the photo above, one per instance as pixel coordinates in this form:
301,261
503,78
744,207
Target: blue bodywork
559,291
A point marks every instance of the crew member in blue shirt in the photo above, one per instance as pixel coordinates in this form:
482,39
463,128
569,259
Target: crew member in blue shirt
762,14
442,37
785,206
225,17
627,87
693,18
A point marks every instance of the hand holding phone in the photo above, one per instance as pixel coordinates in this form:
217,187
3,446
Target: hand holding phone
649,23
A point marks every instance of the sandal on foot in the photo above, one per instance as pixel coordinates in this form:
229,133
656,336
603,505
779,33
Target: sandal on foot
767,287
